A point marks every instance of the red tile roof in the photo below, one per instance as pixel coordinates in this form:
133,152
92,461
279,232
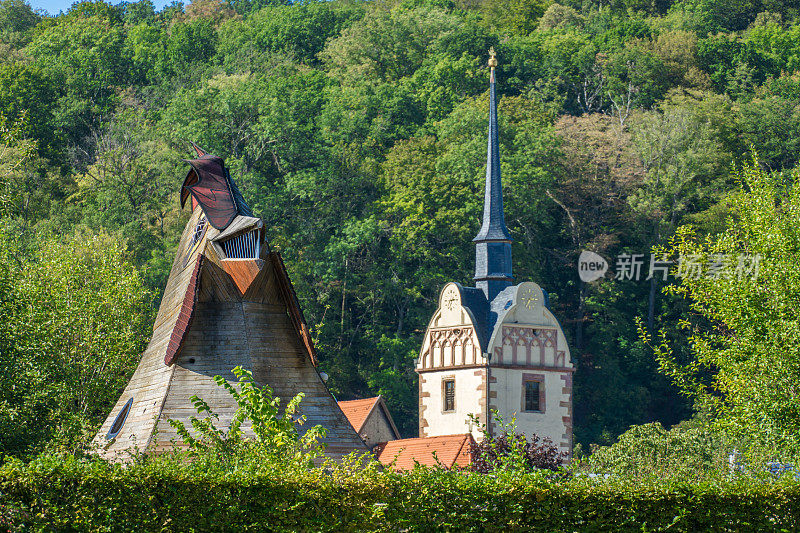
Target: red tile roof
450,450
357,411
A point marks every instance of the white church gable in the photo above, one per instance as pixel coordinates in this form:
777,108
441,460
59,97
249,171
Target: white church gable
527,333
451,339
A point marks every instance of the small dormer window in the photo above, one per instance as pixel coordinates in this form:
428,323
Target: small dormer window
244,246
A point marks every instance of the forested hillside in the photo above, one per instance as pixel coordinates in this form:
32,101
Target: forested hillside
357,130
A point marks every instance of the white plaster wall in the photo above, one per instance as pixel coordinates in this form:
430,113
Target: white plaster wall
468,400
508,403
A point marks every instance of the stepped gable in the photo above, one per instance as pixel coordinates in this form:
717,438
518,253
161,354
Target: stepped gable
228,302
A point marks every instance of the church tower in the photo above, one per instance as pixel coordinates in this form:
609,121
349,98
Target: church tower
493,242
495,347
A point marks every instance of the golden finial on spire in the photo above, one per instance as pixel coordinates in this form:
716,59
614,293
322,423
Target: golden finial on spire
492,58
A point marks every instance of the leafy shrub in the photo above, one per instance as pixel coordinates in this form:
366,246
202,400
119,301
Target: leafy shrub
648,450
277,438
64,494
75,316
744,333
512,451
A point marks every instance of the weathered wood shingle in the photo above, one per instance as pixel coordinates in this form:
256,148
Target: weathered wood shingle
210,322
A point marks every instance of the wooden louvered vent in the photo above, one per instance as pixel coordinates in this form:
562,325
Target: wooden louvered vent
244,246
449,395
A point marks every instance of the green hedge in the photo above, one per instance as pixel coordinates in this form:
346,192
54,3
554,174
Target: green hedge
68,495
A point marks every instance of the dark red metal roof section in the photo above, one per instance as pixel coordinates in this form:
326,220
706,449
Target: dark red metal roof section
209,185
186,314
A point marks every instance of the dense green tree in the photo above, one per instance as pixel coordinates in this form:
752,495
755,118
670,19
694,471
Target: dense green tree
137,12
357,131
389,45
297,32
145,45
76,317
515,16
685,166
635,79
83,55
772,124
780,46
28,186
559,16
441,83
26,96
245,7
17,19
129,189
744,338
563,67
189,45
708,16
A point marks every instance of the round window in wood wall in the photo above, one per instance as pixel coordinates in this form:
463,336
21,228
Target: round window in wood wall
116,427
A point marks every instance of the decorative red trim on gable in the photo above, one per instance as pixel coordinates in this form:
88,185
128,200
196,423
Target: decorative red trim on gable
186,315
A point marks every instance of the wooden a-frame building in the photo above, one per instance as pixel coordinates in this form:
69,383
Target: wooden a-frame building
228,302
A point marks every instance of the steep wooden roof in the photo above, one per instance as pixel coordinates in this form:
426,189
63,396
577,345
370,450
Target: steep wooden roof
450,450
295,312
219,312
210,185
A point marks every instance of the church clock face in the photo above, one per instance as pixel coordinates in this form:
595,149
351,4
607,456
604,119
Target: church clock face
450,299
529,298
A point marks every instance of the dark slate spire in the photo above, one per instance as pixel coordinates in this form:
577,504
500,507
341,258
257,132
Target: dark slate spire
493,242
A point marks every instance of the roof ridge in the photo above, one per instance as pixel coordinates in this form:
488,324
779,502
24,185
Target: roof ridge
360,399
461,435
